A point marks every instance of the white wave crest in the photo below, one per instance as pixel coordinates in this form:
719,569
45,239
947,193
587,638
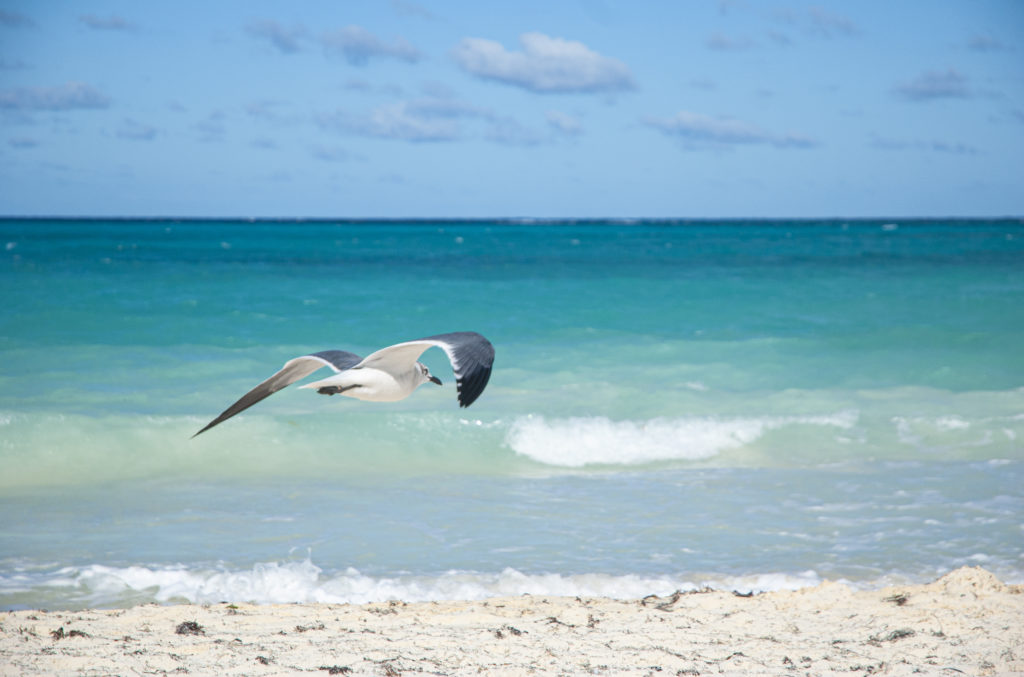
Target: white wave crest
304,582
576,442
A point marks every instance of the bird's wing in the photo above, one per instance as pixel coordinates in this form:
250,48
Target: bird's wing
471,356
292,371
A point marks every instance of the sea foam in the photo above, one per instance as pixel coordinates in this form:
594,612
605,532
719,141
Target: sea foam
304,582
577,442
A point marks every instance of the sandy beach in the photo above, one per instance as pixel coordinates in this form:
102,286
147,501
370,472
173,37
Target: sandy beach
967,622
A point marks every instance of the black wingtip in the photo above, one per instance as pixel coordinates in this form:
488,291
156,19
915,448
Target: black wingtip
472,386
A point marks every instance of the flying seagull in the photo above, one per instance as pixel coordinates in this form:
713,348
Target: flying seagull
388,375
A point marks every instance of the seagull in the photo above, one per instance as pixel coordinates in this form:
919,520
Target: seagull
388,375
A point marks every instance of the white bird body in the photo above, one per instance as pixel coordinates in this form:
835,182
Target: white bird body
388,375
373,385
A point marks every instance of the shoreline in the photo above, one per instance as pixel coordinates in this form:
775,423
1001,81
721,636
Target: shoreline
965,622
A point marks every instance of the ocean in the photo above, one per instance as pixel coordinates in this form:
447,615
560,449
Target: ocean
749,405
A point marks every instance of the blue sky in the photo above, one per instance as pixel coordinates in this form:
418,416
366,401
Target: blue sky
596,108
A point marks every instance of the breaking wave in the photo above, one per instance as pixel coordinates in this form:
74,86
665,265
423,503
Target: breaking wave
304,582
577,442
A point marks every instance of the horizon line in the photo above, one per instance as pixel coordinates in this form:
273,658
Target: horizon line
515,220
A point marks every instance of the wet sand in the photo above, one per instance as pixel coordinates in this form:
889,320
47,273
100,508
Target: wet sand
967,622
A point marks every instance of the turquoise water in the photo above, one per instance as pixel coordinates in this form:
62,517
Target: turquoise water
746,404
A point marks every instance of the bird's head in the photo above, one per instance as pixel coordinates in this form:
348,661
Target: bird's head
427,376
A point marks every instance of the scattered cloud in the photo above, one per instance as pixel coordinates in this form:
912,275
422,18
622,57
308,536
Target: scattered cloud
438,118
949,84
780,39
985,43
22,142
815,22
438,90
726,6
408,8
272,112
393,178
829,24
510,132
286,40
724,43
563,123
136,131
211,128
398,121
15,20
66,97
278,176
698,131
356,44
954,148
359,45
447,107
545,65
434,117
106,23
331,154
881,143
367,87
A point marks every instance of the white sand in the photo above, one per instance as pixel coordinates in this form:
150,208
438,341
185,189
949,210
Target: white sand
967,622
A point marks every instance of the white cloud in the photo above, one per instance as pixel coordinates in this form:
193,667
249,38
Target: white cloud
359,45
950,84
136,131
437,119
285,39
356,44
69,96
546,64
272,111
331,154
106,23
414,9
934,146
827,24
819,23
703,130
510,132
367,87
724,43
401,121
447,107
563,123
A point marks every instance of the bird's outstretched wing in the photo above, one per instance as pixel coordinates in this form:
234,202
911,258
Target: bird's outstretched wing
292,371
471,355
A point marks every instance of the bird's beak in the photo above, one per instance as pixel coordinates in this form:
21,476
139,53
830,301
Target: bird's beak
434,379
